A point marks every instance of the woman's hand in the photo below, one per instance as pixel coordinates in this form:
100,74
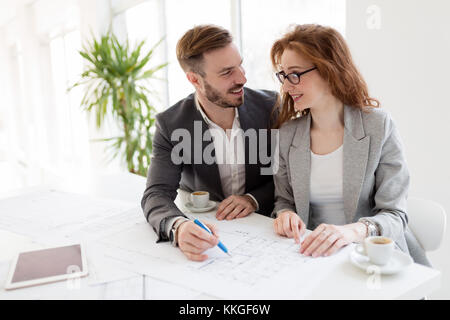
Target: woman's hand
327,239
289,224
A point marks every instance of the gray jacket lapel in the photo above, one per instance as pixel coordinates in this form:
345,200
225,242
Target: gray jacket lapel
300,166
356,151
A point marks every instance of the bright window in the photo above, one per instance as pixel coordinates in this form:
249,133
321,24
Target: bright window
183,15
255,25
144,23
13,133
69,141
153,20
264,21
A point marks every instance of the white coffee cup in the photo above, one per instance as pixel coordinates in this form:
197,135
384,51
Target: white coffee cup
378,249
200,199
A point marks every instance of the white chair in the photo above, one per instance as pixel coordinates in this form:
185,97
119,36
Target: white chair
427,220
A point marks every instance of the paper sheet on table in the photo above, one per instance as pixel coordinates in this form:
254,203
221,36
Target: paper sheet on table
46,218
102,269
129,289
156,289
21,243
52,214
262,265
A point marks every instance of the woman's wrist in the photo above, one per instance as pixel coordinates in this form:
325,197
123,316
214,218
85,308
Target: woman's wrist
279,212
360,231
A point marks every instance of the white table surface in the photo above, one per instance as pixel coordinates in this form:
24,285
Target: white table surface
345,281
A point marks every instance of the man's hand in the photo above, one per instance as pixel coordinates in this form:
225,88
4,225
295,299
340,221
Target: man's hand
193,240
235,207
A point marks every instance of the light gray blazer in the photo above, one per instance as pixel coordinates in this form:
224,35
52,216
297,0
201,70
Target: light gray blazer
375,174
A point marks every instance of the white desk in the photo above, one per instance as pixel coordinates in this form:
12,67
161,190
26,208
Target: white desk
344,282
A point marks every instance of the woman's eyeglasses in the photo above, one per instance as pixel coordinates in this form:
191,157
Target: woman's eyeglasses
293,77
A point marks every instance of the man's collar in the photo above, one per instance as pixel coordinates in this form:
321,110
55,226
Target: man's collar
200,109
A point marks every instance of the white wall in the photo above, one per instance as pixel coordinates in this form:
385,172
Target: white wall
402,48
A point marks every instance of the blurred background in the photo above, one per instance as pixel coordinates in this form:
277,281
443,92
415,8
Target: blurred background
401,47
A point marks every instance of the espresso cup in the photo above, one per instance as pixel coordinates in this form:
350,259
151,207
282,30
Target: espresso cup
200,199
378,249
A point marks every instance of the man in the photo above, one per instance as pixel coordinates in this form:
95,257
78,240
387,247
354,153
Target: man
221,111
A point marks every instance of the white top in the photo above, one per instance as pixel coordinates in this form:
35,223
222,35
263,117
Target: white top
326,185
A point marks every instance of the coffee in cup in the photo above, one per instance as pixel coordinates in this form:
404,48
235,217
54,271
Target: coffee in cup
381,240
200,199
378,249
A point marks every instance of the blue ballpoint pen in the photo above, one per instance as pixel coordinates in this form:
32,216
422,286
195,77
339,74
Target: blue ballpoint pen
220,244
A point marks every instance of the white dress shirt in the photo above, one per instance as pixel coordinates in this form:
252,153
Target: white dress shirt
230,154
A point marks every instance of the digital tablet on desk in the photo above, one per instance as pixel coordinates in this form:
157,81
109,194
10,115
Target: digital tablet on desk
47,265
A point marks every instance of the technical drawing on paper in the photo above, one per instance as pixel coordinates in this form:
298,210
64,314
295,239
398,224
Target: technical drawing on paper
253,258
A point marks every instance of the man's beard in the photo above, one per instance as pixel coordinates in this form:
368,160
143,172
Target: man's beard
217,98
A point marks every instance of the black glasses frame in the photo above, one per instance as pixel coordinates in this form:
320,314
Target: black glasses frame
281,76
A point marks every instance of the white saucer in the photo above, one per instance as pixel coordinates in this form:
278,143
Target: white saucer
398,262
211,205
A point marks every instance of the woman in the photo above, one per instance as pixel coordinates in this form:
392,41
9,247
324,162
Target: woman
342,171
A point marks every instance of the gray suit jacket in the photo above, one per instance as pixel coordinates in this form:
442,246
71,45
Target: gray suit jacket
375,174
165,176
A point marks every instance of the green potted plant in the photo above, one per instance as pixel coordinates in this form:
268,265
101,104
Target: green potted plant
117,82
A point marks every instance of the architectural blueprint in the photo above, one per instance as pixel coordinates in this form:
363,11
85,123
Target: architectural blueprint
253,258
262,265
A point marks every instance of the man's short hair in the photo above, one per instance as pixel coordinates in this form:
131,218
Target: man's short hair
198,40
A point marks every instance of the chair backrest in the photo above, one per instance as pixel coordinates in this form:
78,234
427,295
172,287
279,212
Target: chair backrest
427,220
